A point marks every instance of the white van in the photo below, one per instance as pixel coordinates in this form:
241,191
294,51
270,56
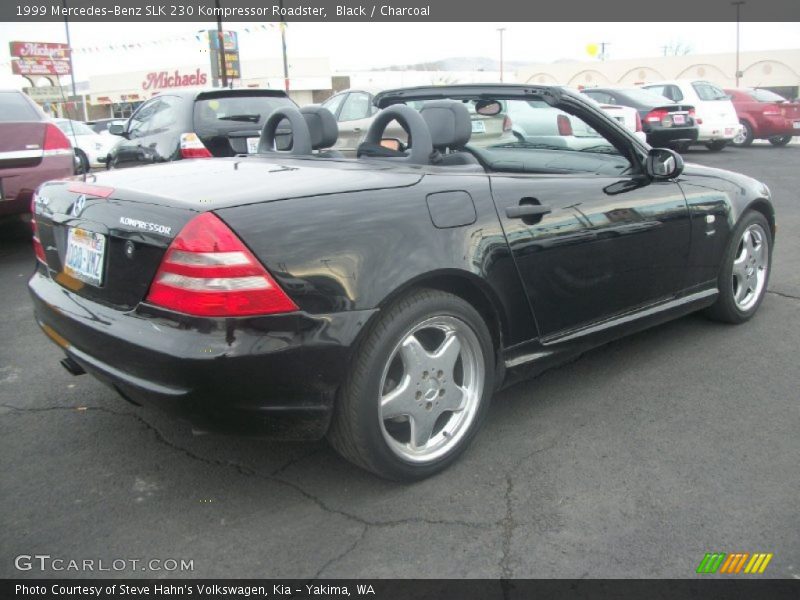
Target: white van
714,112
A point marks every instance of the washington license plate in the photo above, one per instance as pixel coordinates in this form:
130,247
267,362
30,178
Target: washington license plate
796,124
679,119
478,127
252,145
85,255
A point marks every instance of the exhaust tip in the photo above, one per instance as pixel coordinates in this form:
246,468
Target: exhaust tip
72,367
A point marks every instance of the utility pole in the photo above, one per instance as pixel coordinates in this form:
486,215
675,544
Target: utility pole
69,57
738,6
603,49
223,68
283,47
501,30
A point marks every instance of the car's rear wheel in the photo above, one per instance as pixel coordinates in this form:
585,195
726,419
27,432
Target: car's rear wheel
716,145
418,387
682,147
780,140
745,136
744,274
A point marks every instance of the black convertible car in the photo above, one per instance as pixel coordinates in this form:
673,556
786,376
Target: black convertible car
381,300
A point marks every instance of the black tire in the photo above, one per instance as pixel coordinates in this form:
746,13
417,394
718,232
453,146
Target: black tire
356,428
748,136
682,147
781,140
716,145
82,162
725,309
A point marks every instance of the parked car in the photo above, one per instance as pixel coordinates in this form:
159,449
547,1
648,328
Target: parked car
101,125
715,115
381,301
354,111
765,115
32,150
557,128
195,124
665,123
91,149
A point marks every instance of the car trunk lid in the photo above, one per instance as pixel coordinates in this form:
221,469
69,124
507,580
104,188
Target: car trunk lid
104,239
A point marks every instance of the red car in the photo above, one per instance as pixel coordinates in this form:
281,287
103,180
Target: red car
32,151
765,115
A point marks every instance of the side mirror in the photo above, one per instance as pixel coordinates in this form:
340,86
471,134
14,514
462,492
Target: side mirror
663,163
117,129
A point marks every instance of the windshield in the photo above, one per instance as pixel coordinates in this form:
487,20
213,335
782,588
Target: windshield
706,91
766,96
229,113
74,128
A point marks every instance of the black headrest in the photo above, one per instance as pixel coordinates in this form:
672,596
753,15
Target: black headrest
321,125
448,122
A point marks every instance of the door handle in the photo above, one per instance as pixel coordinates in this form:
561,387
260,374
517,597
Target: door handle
527,210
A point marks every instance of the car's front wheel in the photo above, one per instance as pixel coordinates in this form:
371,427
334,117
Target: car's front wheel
417,389
744,273
745,136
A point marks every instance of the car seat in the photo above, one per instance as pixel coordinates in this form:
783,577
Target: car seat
451,128
323,129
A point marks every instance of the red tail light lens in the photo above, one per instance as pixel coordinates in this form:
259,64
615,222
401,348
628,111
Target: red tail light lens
38,249
656,116
507,124
564,125
638,122
192,147
772,110
207,271
55,142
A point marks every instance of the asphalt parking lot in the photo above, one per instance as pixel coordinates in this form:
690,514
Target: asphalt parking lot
633,461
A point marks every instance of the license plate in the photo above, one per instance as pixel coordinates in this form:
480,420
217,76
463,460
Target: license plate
85,253
478,127
796,124
729,132
252,145
679,119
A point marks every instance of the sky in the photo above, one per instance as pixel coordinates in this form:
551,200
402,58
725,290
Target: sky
360,46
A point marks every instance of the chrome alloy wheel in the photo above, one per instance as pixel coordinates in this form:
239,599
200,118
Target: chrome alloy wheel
431,389
750,267
741,137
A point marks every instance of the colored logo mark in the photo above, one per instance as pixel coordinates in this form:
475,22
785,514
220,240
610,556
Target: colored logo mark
735,563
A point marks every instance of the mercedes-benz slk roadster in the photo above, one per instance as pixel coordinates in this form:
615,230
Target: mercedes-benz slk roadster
380,301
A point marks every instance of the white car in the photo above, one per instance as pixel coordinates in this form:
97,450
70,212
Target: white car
91,149
626,116
715,114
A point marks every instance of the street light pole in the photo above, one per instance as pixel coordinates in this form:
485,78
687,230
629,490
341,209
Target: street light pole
223,67
283,47
738,6
501,30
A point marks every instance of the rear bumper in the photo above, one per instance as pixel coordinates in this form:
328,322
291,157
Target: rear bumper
671,135
776,127
709,132
19,183
271,376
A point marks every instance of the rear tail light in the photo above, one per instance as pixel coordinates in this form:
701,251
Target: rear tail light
507,124
192,147
38,249
657,116
638,122
55,142
207,271
772,110
564,125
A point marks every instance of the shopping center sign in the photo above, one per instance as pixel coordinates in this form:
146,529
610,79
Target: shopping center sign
39,58
157,80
